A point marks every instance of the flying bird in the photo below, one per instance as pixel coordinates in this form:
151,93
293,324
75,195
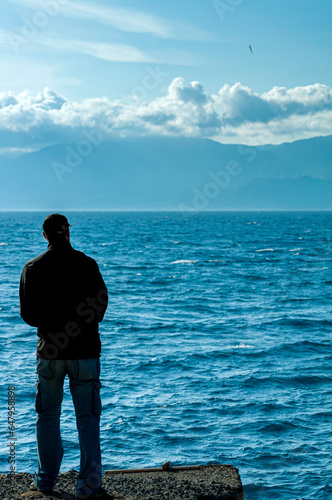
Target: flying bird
250,48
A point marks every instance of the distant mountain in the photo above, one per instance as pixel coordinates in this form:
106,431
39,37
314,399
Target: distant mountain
169,174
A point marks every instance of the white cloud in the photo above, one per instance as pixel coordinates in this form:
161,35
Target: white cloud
277,131
48,99
116,52
300,100
7,99
194,92
235,115
240,104
134,21
127,20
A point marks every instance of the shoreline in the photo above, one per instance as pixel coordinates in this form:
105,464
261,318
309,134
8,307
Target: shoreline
209,482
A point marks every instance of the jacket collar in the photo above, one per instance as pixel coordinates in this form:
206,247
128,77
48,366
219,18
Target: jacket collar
59,245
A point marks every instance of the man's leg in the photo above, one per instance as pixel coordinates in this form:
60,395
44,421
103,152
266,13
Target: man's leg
49,394
85,390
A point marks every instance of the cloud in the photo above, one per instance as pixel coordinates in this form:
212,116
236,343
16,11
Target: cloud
300,100
116,52
7,99
194,92
277,131
127,20
236,114
134,21
239,104
48,99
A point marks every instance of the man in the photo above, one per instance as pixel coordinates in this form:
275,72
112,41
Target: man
63,294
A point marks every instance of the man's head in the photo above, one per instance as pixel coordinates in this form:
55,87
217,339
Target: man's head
56,227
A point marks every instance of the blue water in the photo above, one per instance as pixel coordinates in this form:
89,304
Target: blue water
216,344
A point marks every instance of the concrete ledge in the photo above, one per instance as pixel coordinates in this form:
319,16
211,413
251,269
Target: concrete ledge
210,482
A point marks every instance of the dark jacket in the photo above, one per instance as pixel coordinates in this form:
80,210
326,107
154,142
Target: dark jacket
63,294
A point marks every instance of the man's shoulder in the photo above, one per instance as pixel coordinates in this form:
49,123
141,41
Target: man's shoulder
79,255
35,260
46,258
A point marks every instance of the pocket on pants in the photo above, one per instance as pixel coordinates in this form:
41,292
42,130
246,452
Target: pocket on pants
38,398
96,401
87,369
45,367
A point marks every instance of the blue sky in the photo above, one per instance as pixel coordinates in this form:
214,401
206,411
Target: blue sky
153,67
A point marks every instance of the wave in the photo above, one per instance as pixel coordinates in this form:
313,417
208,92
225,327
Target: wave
241,346
184,261
286,380
278,427
296,322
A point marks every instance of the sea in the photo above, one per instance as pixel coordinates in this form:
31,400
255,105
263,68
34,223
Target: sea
216,345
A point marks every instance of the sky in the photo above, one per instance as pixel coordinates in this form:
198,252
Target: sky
179,67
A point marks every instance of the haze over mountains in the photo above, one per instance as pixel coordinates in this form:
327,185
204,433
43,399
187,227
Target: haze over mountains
164,173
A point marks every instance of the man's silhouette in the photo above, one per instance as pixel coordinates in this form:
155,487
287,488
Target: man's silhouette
63,294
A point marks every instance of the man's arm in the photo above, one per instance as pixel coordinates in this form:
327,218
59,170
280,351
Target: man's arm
101,293
27,299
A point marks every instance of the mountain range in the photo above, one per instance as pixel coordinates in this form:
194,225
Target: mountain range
167,173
